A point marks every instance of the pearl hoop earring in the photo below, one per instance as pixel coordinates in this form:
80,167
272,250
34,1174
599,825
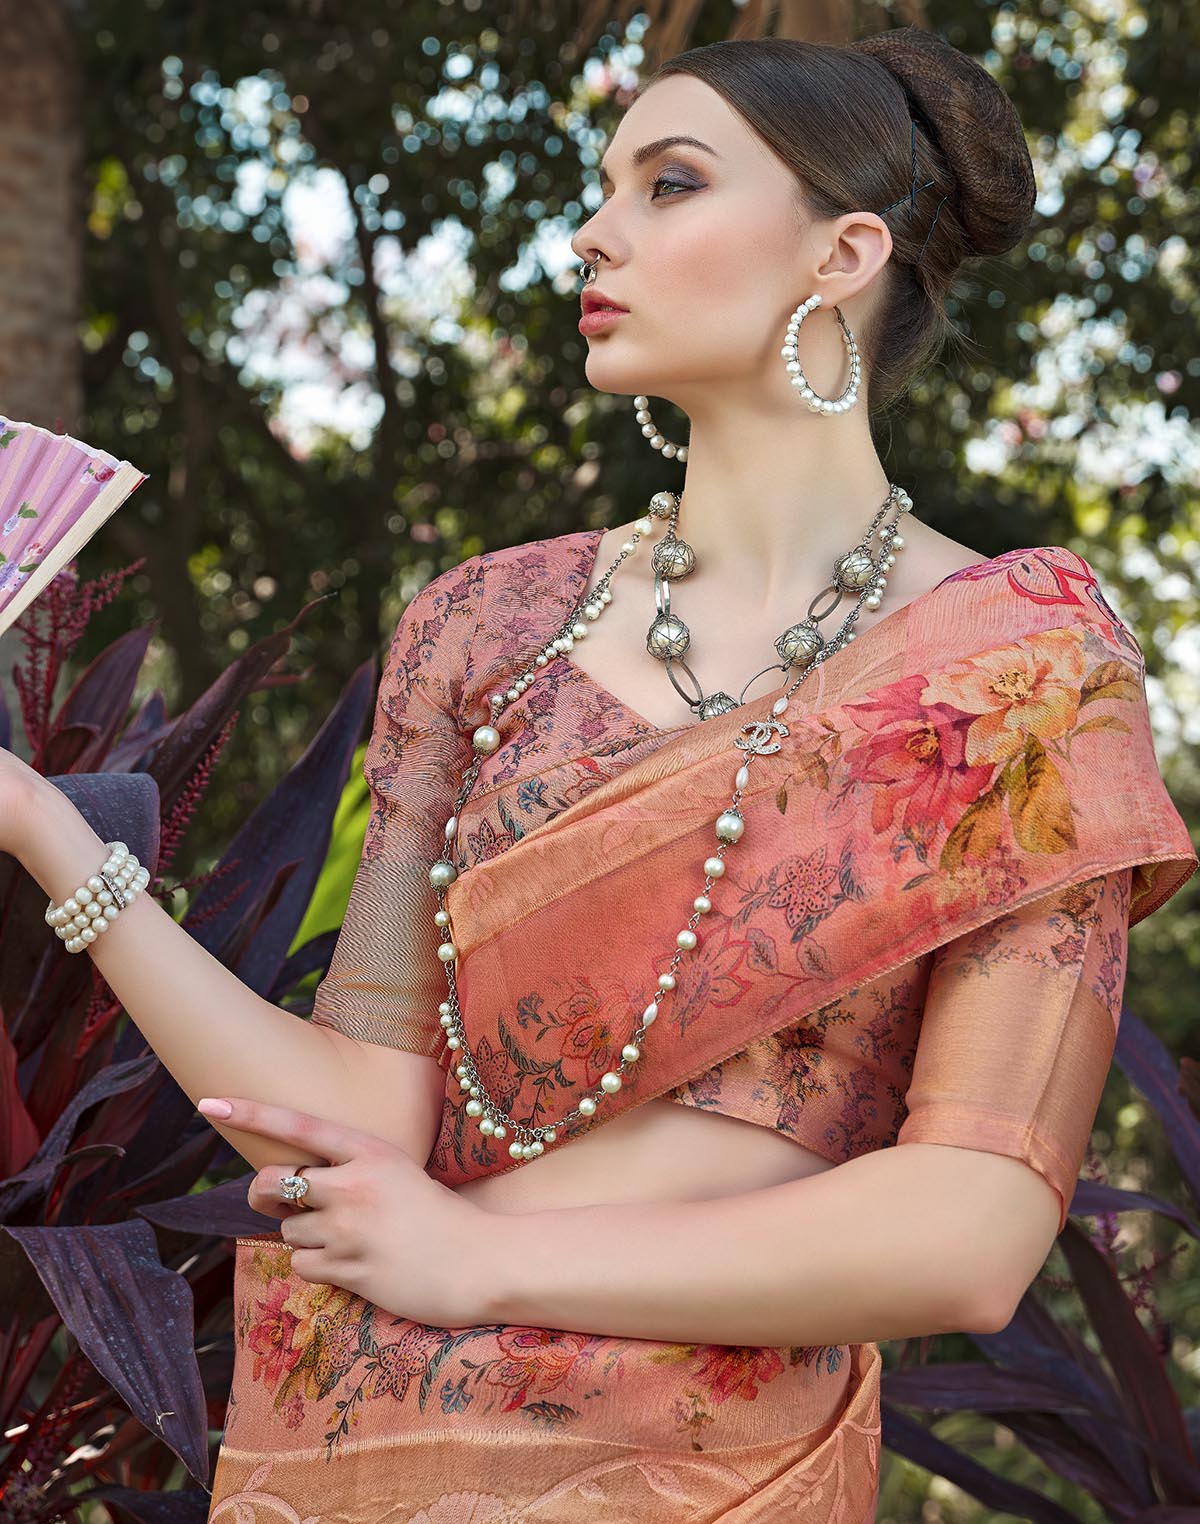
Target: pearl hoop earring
799,380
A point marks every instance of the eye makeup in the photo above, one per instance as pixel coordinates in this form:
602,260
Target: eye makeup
676,176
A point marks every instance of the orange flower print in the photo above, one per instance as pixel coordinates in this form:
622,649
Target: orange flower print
592,1039
730,1370
1016,692
916,759
540,1360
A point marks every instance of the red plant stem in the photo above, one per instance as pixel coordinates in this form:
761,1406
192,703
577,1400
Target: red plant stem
36,1432
24,1366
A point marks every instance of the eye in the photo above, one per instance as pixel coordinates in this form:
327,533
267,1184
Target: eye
666,180
676,186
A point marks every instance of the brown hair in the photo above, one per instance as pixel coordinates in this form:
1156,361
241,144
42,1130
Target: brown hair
840,118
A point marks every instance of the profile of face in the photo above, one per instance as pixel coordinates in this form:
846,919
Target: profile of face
707,245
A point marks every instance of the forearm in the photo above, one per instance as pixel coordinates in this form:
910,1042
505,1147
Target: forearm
213,1033
876,1248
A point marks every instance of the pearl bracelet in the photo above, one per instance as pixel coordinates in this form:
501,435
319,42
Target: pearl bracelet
82,916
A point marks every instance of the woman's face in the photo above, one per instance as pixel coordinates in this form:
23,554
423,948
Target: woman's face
707,248
704,248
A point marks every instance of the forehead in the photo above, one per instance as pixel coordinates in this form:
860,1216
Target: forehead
679,111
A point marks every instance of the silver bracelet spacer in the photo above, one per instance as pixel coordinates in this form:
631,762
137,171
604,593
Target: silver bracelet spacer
86,914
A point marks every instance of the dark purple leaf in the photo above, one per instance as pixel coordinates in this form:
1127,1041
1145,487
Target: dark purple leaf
98,703
312,957
148,727
971,1385
118,807
34,1180
186,1507
134,1321
1139,1370
1147,1064
290,829
1034,1343
1093,1198
198,727
912,1440
1075,1460
111,1194
222,1210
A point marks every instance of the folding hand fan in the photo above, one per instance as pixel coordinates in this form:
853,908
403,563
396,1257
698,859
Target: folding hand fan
55,492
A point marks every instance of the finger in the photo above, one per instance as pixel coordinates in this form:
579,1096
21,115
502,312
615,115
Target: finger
303,1231
329,1140
324,1268
264,1191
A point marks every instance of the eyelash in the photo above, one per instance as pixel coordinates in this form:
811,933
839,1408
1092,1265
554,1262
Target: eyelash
663,180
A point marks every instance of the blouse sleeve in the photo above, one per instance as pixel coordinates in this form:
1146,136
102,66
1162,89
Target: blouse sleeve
385,980
1018,1031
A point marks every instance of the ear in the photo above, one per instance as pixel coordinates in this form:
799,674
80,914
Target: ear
859,247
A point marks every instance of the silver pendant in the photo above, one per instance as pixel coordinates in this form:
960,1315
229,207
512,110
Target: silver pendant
759,742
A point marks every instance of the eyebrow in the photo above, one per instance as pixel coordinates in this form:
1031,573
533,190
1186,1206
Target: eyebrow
660,145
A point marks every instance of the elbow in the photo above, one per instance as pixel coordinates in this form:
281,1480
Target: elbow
989,1314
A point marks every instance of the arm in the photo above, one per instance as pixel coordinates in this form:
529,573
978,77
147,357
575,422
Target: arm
366,1055
903,1241
213,1033
944,1231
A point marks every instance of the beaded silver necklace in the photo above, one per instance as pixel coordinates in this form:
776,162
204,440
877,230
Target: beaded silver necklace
800,646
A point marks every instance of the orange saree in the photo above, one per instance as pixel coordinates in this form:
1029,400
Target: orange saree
975,773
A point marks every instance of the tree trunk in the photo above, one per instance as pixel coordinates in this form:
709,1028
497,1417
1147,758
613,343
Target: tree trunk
42,213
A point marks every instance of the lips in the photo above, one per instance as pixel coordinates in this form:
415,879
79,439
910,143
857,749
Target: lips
595,301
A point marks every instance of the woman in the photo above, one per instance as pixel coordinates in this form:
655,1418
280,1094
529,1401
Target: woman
698,959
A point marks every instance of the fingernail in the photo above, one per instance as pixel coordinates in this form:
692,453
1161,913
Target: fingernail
212,1108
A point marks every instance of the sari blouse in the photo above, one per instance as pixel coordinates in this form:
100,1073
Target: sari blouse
998,1039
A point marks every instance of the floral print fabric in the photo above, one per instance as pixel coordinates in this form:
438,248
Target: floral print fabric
918,767
340,1411
931,948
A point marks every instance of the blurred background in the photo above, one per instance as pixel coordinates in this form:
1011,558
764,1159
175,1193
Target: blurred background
308,265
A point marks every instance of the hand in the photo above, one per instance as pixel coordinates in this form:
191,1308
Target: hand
373,1220
19,788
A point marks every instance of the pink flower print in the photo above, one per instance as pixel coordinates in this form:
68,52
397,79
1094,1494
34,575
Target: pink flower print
272,1337
916,758
592,1039
801,887
98,471
488,842
737,1370
492,1065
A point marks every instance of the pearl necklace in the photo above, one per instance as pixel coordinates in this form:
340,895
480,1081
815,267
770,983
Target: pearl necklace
856,571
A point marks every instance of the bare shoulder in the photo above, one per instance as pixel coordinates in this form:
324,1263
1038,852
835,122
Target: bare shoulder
927,558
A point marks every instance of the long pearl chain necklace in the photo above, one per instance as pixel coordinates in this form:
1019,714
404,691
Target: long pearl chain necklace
801,646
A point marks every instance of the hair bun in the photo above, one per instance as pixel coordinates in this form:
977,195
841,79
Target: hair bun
977,127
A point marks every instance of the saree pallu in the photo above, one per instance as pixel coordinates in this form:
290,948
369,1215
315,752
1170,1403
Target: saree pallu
984,747
344,1413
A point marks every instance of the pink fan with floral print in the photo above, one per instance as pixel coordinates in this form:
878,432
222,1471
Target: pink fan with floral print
55,492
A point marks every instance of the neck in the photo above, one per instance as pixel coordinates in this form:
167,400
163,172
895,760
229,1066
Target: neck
769,501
